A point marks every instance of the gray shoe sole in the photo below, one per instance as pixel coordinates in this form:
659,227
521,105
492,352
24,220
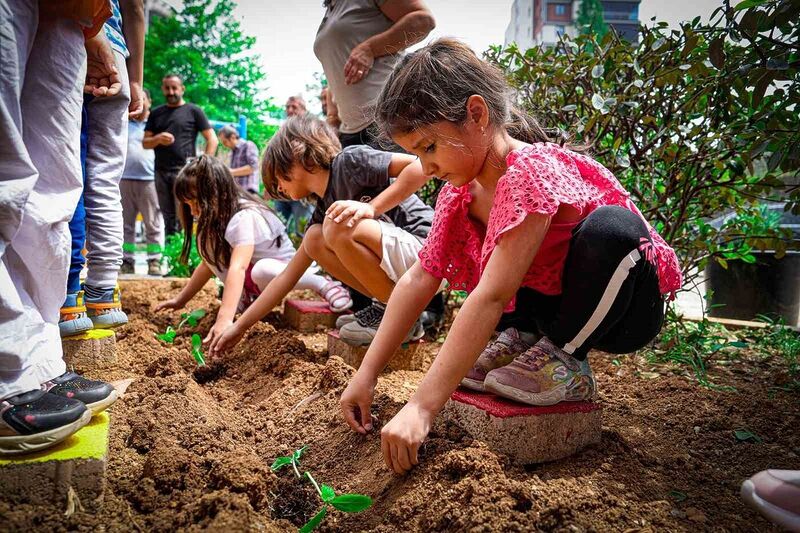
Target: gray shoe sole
473,384
343,320
100,406
530,398
75,326
110,320
33,443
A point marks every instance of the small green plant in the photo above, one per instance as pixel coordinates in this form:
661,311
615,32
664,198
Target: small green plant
197,350
745,435
168,336
349,503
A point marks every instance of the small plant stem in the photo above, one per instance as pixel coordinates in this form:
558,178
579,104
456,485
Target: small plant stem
296,471
313,482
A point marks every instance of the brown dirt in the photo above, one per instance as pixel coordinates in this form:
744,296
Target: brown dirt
191,449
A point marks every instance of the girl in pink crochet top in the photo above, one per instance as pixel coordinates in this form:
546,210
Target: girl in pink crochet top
551,249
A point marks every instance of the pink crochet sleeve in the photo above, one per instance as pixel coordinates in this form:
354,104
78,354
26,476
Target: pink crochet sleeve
452,249
539,179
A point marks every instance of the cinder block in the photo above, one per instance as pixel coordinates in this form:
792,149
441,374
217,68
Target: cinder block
46,477
306,315
408,356
93,348
525,433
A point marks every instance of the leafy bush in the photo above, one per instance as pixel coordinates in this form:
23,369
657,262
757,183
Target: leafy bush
172,256
673,119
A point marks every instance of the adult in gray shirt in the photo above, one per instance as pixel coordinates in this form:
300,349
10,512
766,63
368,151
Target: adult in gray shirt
358,44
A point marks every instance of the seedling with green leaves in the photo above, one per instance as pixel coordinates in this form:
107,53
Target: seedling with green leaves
349,503
197,350
192,318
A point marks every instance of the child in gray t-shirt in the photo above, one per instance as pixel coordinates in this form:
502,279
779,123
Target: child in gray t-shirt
366,231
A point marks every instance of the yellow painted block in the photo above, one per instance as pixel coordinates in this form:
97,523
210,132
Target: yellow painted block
90,442
92,334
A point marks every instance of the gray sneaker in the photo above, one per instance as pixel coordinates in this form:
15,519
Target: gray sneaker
365,315
498,353
361,331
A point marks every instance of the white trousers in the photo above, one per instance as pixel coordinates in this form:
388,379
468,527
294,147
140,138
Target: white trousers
265,270
106,149
42,66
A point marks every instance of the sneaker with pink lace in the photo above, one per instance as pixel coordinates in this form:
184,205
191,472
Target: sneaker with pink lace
543,375
337,296
498,353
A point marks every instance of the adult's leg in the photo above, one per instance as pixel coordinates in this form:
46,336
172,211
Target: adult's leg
128,192
610,286
151,216
40,177
165,181
105,160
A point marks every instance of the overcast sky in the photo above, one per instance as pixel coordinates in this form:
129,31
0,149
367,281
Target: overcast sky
285,30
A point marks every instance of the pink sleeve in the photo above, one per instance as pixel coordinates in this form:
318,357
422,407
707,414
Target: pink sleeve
451,251
538,180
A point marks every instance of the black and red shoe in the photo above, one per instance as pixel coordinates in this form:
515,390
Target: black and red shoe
96,395
36,420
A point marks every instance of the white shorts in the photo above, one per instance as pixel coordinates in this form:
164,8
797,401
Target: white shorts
399,250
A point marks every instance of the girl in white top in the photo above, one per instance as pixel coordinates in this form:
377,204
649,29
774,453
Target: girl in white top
239,239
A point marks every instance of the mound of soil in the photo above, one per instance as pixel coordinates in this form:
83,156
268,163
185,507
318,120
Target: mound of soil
191,448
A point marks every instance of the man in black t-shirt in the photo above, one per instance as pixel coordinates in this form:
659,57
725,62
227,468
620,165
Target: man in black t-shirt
171,131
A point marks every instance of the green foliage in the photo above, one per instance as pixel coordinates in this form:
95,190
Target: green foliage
204,43
590,18
172,256
745,435
780,341
688,140
348,503
192,319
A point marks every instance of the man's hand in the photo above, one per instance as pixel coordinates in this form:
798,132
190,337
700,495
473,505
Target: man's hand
358,64
136,106
102,77
342,210
165,138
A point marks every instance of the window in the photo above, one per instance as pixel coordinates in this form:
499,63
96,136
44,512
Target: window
559,12
620,10
561,9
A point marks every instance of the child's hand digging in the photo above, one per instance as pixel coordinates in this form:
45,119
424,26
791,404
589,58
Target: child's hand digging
356,402
225,340
215,333
174,303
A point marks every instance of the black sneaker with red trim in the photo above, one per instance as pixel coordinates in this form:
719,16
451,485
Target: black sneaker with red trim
96,395
36,420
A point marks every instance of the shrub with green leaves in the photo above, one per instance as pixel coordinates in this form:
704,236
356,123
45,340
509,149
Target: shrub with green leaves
348,503
172,257
694,122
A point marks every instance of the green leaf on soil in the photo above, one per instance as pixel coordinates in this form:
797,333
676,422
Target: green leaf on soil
352,503
677,495
168,336
280,462
197,351
194,317
744,435
312,524
327,493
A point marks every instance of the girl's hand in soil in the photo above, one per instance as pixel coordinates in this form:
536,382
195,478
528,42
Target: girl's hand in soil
356,402
216,332
226,340
403,435
174,303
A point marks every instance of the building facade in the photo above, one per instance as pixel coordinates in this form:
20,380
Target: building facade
535,22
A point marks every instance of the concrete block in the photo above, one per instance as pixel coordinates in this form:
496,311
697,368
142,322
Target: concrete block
525,433
408,356
306,315
93,348
46,477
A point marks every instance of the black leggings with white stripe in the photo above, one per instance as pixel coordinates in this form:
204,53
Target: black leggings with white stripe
610,298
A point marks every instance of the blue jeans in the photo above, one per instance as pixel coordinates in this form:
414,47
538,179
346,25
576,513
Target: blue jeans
77,226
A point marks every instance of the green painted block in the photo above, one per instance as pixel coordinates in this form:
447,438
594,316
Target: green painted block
46,477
